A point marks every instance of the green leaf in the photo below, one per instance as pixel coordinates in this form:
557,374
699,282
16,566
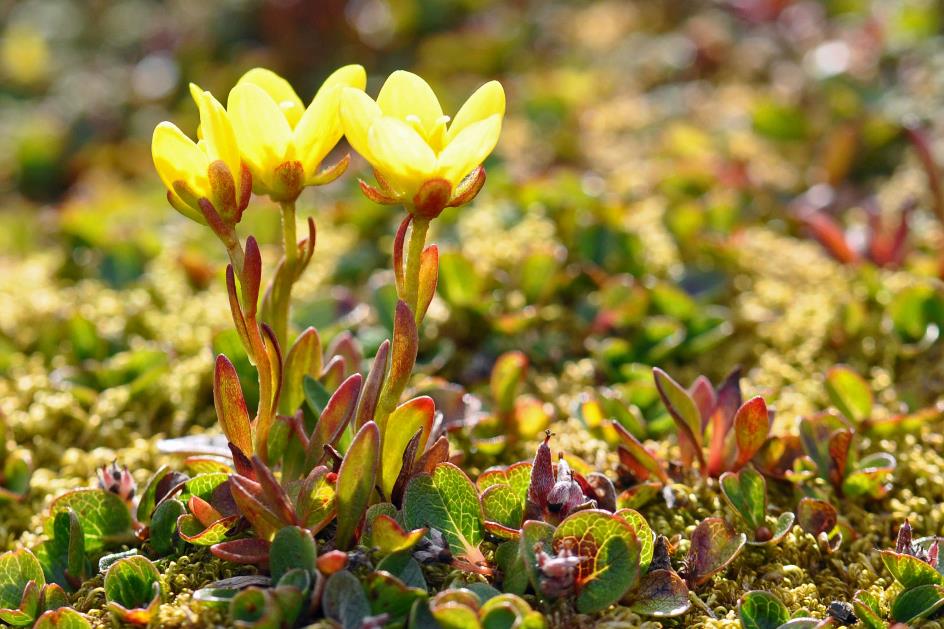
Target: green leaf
460,284
512,568
610,553
684,411
917,602
164,526
507,375
644,533
132,589
502,504
65,551
203,485
389,595
146,502
231,405
334,419
517,475
534,535
867,610
303,359
62,618
762,610
715,544
104,517
388,537
447,501
356,482
661,594
404,567
344,600
910,571
316,395
870,476
408,418
849,393
455,616
255,607
19,600
781,526
193,532
746,493
293,547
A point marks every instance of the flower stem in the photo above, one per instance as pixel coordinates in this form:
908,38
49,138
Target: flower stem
418,233
281,307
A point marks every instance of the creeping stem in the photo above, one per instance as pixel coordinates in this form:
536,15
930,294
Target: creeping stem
415,251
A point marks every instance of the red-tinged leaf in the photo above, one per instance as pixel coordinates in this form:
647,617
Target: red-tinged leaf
839,444
468,188
403,357
501,531
683,410
911,571
375,195
195,532
722,420
641,461
542,475
367,404
203,511
715,544
389,537
507,376
751,425
408,418
231,405
830,234
303,358
436,454
243,551
272,493
317,499
398,242
660,594
242,463
337,413
333,373
274,352
428,279
816,516
248,497
356,482
777,456
252,274
407,471
705,399
346,346
815,433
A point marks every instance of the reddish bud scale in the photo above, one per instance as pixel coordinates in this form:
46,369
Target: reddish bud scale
432,198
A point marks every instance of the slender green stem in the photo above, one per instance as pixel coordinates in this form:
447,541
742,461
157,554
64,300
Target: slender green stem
283,292
418,233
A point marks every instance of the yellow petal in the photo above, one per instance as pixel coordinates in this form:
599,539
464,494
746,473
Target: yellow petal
400,154
279,89
320,127
358,112
177,158
263,132
469,149
405,94
217,131
486,101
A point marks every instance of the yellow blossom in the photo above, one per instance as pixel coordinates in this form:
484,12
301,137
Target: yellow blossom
282,142
206,180
421,159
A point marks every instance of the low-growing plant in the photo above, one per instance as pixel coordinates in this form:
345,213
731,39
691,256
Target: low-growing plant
746,493
918,566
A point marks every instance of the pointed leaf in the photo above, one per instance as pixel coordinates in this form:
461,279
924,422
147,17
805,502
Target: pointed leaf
231,405
642,463
303,359
428,278
356,481
507,376
683,410
370,394
403,423
751,425
250,550
193,532
337,413
402,358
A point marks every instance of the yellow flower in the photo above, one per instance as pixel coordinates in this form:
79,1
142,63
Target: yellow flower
282,142
420,158
205,180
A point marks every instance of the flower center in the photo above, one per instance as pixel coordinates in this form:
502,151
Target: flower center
435,136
